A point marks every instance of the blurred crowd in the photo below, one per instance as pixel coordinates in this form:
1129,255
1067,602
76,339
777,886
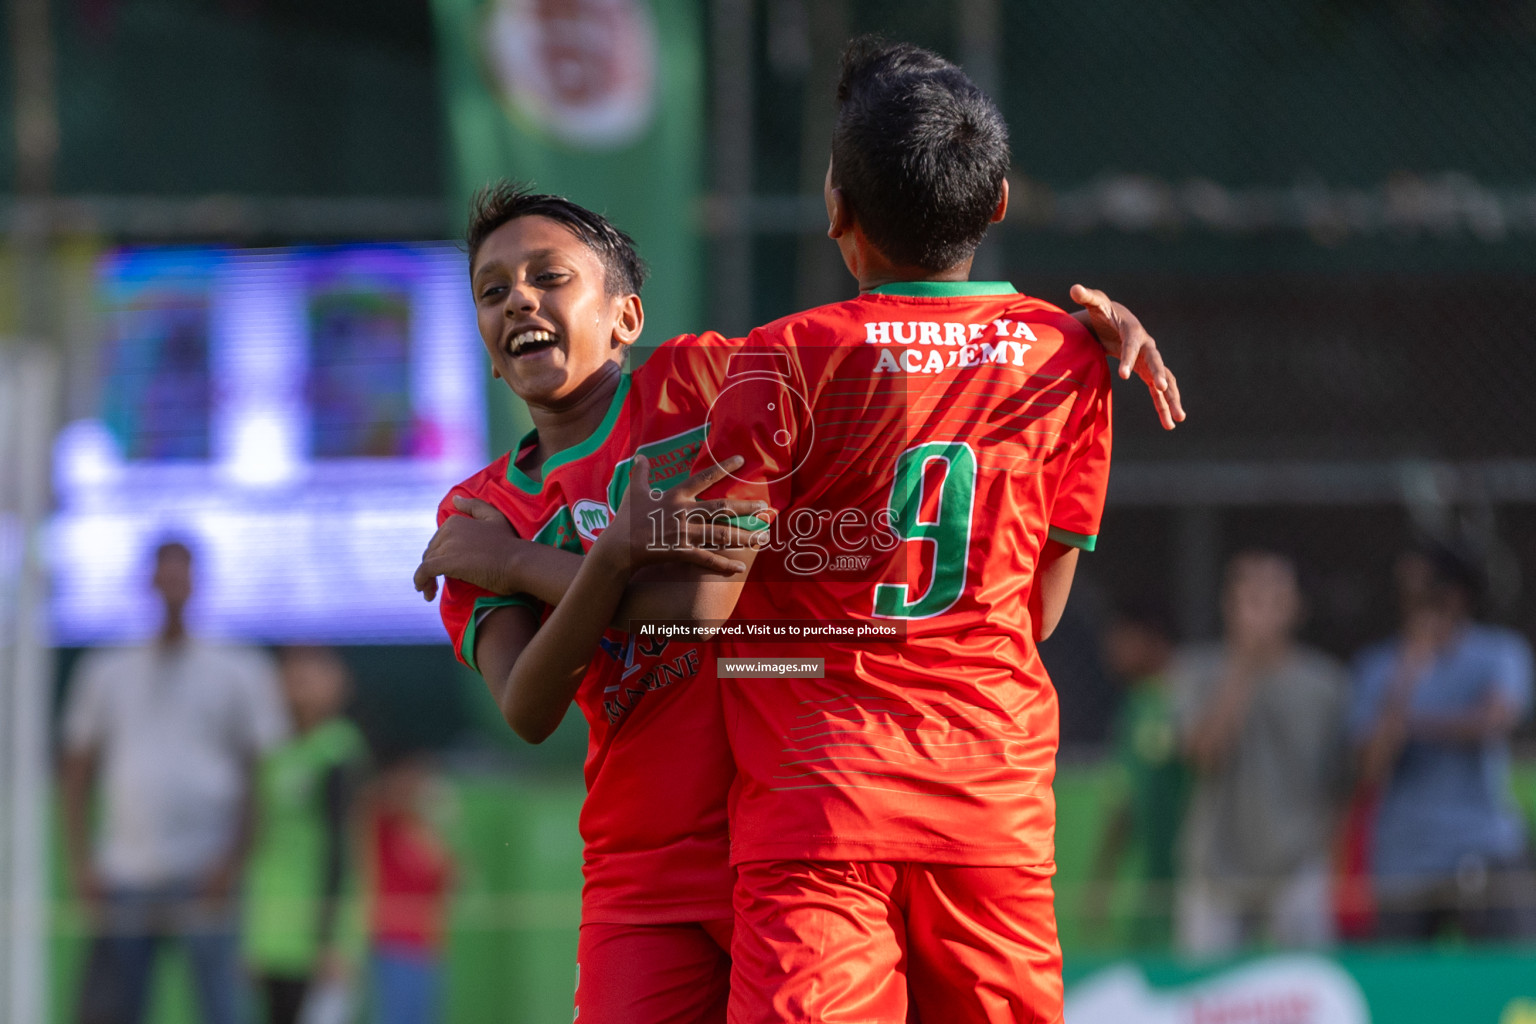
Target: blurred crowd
1277,798
217,798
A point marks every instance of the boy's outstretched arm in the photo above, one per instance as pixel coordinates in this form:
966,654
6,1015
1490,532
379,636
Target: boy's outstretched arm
1123,337
534,673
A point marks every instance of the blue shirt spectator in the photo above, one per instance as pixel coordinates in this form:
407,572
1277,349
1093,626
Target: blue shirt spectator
1432,715
1445,800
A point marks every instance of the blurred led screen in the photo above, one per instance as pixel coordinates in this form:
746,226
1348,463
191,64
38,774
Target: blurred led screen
293,414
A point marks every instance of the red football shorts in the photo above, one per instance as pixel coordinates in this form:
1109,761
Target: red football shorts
653,973
854,942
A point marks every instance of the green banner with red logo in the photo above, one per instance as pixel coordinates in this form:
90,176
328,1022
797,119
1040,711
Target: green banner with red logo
596,100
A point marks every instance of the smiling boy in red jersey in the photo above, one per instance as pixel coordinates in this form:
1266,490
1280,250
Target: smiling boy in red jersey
892,824
557,296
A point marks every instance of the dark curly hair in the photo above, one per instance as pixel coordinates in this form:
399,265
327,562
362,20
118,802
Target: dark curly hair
502,201
918,151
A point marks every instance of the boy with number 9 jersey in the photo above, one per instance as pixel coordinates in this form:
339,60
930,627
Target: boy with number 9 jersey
893,819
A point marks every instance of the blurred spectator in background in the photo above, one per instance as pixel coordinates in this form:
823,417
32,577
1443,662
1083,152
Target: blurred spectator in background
1433,712
1144,824
410,872
301,867
173,731
1261,720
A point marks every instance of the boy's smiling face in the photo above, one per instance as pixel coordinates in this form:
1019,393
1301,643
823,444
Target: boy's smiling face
545,313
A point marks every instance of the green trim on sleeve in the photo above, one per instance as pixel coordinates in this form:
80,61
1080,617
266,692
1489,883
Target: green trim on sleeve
748,523
944,289
483,606
1081,541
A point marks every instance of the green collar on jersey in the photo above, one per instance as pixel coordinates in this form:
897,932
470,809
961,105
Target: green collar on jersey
944,289
527,483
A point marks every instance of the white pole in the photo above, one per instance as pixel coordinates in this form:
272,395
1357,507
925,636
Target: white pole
731,42
10,534
30,383
981,48
31,411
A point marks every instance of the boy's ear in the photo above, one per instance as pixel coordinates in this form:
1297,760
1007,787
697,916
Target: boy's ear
630,321
839,214
1002,203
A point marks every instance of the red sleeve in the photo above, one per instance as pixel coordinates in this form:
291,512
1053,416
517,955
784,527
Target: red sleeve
1079,503
464,606
763,414
688,372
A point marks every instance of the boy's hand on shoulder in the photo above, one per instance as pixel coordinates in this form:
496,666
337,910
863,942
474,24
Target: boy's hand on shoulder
1123,337
475,546
653,526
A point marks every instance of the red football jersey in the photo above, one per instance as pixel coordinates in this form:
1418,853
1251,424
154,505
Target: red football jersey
657,768
920,443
